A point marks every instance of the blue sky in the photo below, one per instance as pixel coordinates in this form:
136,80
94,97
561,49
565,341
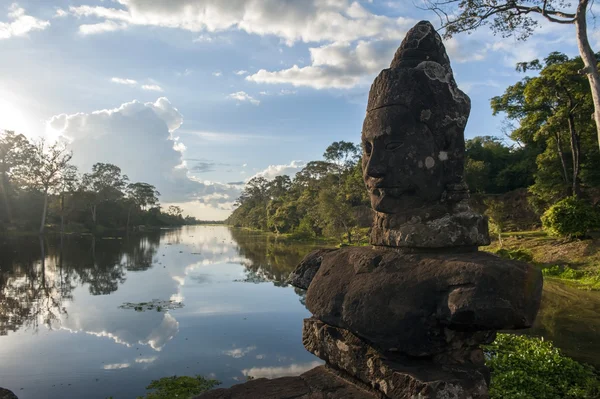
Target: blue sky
194,95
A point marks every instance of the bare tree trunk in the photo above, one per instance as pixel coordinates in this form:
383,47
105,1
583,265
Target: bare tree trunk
62,214
563,161
94,214
128,217
575,151
43,224
589,60
4,188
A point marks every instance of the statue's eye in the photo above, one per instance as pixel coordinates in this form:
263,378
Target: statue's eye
393,146
368,148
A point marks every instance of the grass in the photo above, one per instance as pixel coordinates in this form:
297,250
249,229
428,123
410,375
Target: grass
573,261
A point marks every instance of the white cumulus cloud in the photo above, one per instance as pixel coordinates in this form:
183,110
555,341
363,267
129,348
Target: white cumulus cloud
279,170
138,137
338,65
307,20
20,24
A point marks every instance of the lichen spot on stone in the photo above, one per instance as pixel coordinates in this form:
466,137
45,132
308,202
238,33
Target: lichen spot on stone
342,346
388,130
429,162
443,156
425,115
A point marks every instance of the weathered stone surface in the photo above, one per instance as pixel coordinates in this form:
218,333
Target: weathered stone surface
422,304
396,376
318,383
306,270
413,163
465,229
6,394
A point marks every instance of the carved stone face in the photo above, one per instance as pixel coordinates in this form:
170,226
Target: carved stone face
402,168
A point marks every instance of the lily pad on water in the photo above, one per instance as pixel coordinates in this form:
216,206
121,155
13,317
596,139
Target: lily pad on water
155,304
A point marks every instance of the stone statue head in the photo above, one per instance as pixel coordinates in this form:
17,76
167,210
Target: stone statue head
413,133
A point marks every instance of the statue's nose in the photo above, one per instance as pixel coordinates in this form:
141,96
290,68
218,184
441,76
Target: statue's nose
375,166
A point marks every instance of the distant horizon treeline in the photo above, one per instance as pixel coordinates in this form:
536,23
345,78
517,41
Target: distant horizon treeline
39,187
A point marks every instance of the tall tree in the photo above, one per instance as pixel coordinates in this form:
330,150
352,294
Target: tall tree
14,152
140,195
105,183
47,163
516,18
342,153
67,185
554,107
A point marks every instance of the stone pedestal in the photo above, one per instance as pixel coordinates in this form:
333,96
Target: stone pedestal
318,383
396,376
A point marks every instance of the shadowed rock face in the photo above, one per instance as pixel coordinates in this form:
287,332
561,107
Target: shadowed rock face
413,133
423,304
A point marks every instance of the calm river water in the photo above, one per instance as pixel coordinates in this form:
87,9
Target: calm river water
69,327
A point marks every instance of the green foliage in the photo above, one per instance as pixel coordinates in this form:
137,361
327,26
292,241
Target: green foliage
492,167
154,305
521,254
304,230
552,111
570,217
586,279
179,387
531,368
322,200
37,176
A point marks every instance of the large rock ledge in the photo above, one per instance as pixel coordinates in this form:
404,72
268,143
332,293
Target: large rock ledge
6,394
318,383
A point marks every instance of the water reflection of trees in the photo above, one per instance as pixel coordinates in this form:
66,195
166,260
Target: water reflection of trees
37,276
267,257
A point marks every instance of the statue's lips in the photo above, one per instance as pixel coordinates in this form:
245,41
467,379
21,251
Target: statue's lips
392,191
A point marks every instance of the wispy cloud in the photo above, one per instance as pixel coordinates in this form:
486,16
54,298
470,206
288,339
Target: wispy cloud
152,88
242,96
122,81
101,27
116,366
20,24
276,372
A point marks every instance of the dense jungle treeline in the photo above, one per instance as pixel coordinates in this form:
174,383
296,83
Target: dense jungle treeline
549,153
40,188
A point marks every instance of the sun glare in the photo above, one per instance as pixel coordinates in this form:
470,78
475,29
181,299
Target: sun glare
12,118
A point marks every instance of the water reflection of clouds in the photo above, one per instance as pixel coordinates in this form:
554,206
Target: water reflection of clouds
129,334
276,372
238,353
116,366
152,328
220,329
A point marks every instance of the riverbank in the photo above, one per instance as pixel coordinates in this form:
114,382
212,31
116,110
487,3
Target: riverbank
100,231
575,262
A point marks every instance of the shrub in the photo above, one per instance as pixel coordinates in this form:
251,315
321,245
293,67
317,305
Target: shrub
304,230
531,368
521,254
570,217
179,387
